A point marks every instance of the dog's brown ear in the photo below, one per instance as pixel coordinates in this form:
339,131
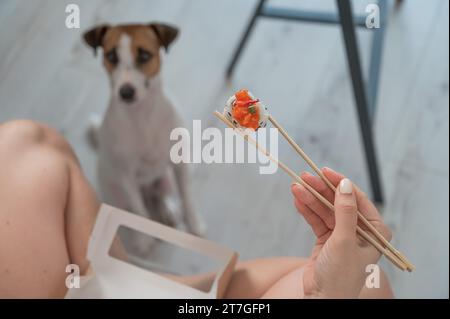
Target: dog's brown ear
94,37
165,33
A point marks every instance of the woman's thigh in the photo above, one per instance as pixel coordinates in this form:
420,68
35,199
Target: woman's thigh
254,278
36,190
47,211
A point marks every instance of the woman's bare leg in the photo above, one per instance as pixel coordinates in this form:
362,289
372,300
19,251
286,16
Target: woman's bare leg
47,211
289,287
251,279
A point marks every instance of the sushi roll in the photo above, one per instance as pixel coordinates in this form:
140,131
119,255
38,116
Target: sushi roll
245,111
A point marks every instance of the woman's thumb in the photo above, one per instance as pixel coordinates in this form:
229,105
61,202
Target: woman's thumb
345,209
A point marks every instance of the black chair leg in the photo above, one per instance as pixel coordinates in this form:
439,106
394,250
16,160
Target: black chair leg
375,59
348,32
244,38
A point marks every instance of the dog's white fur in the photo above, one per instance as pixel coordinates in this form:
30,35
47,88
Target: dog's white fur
134,145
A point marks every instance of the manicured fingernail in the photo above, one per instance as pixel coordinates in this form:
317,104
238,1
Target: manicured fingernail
345,186
328,169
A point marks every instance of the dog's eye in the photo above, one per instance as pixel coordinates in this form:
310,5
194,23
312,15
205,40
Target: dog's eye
112,57
143,56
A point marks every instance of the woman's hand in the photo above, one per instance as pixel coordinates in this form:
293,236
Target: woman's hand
337,265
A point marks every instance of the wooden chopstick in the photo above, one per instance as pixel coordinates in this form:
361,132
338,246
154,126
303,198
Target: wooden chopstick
361,217
394,259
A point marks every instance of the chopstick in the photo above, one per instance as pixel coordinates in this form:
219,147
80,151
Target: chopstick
361,217
394,259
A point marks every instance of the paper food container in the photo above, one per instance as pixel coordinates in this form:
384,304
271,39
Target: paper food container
110,277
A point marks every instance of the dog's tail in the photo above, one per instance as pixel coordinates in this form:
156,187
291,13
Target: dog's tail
92,133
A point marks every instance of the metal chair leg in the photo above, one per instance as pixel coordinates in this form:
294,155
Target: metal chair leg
348,32
375,59
243,41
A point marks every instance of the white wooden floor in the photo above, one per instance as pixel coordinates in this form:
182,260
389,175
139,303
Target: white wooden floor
299,69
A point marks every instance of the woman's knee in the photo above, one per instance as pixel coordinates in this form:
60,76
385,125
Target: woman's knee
34,183
35,160
20,136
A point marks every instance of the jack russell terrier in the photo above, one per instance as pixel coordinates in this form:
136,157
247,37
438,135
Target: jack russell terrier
134,167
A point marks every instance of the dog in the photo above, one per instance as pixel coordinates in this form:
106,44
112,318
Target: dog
134,166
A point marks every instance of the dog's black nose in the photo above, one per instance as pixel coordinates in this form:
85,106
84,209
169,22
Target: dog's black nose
127,93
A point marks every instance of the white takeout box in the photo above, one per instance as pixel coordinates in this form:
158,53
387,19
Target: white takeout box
113,278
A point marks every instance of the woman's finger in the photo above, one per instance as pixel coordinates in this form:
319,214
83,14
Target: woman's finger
314,204
317,224
365,205
333,176
319,185
345,210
